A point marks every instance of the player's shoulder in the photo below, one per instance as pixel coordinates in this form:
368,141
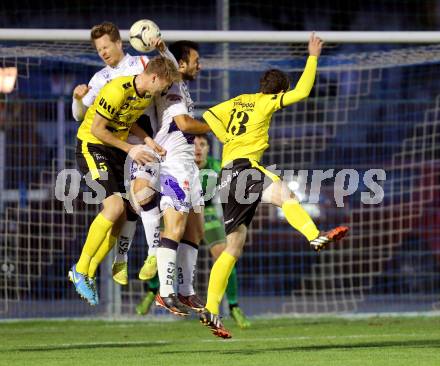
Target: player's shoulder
269,97
120,85
103,76
245,98
242,101
174,94
100,78
124,82
175,87
136,61
271,101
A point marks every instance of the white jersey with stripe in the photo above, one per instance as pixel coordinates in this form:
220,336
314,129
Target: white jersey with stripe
129,65
177,101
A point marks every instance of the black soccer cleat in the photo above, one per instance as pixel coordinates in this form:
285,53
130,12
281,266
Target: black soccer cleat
214,323
172,304
192,301
325,238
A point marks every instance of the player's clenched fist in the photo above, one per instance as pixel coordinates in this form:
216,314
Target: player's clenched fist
80,91
315,45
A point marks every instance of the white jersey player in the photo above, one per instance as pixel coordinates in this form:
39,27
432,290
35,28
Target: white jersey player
128,65
181,194
107,41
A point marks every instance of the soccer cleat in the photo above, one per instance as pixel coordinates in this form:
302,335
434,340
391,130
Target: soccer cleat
213,321
192,301
172,304
328,237
94,287
239,317
82,285
144,306
149,269
120,273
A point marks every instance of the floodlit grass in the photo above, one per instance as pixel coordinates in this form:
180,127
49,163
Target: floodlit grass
375,341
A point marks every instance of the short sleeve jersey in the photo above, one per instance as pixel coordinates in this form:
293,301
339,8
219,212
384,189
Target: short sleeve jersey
129,65
120,103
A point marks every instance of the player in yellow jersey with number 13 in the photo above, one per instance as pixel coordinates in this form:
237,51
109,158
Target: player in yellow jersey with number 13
242,124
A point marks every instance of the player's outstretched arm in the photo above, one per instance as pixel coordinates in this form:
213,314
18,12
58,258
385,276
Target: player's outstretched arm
78,108
190,125
305,83
216,124
161,46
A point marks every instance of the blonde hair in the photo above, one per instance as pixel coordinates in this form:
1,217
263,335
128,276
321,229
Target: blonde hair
164,68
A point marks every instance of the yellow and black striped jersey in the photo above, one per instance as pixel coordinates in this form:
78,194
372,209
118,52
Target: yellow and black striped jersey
242,123
119,103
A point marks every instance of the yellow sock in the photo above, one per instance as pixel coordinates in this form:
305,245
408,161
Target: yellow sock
300,219
218,280
97,233
105,247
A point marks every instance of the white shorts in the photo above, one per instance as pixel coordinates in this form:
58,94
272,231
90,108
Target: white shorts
179,183
149,172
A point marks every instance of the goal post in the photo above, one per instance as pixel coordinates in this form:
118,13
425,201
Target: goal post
214,36
373,119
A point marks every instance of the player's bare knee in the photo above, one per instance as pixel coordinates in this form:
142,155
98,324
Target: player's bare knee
217,249
114,207
195,235
277,193
235,241
175,232
143,193
192,237
199,237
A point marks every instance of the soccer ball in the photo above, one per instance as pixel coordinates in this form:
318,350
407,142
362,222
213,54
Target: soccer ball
142,35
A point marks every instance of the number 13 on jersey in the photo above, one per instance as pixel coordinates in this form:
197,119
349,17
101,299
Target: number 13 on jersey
237,122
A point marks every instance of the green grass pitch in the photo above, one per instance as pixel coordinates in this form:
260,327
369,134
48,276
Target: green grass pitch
377,341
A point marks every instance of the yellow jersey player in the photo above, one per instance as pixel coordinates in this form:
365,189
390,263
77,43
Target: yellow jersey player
101,152
242,124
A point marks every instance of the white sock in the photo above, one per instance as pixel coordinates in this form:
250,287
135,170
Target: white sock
151,222
166,266
186,268
124,241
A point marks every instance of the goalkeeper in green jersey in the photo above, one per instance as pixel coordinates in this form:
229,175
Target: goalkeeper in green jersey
215,236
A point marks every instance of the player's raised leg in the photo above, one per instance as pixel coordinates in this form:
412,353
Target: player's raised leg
280,195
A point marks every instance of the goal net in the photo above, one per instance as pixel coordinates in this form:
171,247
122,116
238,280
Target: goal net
374,107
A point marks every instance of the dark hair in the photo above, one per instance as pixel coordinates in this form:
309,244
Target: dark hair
274,81
182,49
204,136
104,28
